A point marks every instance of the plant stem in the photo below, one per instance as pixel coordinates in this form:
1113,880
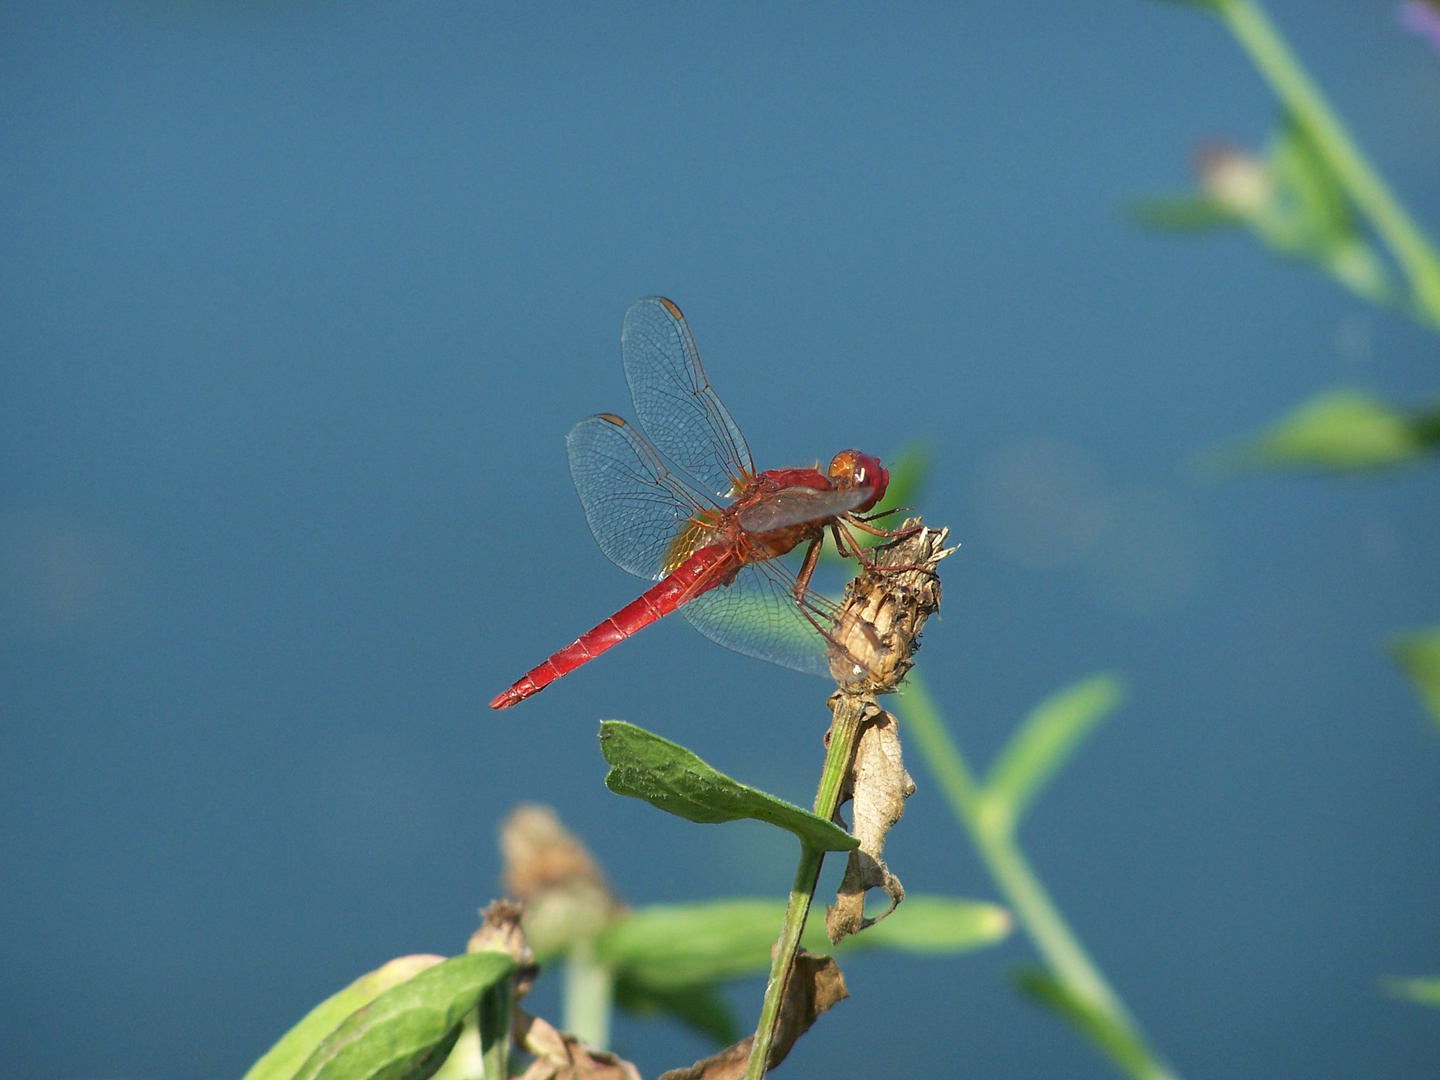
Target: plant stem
807,874
993,836
494,1014
1417,257
589,990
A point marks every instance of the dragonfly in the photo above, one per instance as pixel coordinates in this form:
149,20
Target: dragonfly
687,510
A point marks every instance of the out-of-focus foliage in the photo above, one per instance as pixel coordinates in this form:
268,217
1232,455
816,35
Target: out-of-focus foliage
1293,202
1419,655
1315,196
1422,991
1044,742
669,946
1120,1043
701,1008
670,958
1072,985
1339,431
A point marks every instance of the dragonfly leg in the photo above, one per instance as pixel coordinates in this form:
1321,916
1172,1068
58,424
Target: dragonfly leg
807,569
863,524
842,528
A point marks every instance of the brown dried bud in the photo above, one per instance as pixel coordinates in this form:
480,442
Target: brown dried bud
500,932
565,894
885,608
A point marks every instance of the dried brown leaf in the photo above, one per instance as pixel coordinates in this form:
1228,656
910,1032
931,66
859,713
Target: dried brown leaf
816,985
563,1057
878,786
885,609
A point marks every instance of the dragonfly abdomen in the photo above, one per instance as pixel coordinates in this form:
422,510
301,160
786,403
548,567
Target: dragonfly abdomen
703,571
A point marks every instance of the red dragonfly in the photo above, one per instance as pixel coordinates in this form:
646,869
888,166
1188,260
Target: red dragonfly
715,562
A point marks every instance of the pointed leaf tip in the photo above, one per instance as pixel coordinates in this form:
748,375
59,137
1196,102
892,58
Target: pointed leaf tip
283,1059
1046,739
1422,991
668,776
1419,655
1113,1039
1344,430
408,1031
1181,213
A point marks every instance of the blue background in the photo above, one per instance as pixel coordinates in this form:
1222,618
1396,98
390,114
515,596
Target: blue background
298,303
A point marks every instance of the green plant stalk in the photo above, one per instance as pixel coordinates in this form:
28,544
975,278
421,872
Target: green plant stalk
994,839
802,890
587,997
1269,52
495,1009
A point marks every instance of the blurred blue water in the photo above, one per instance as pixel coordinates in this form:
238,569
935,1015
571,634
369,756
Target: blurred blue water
298,303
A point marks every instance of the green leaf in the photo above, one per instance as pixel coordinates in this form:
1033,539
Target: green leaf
1113,1039
1342,430
283,1059
665,774
665,946
1183,213
701,1008
1419,655
669,946
1045,740
928,926
1313,192
407,1032
1422,991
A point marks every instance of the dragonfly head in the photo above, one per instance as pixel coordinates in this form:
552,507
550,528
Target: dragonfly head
851,468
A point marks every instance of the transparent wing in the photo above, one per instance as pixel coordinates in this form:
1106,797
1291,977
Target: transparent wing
636,508
757,615
798,505
673,400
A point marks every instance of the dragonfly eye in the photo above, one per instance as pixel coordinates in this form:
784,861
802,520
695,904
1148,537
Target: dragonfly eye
850,468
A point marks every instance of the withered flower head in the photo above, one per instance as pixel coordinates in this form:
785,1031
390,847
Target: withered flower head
565,895
500,932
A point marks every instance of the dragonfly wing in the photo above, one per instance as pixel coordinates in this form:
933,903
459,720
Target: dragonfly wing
757,615
673,400
797,506
634,505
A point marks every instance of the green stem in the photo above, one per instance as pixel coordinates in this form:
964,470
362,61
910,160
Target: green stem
587,997
992,834
1417,257
494,1014
807,874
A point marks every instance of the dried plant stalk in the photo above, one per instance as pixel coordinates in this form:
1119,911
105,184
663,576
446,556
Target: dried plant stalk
882,615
